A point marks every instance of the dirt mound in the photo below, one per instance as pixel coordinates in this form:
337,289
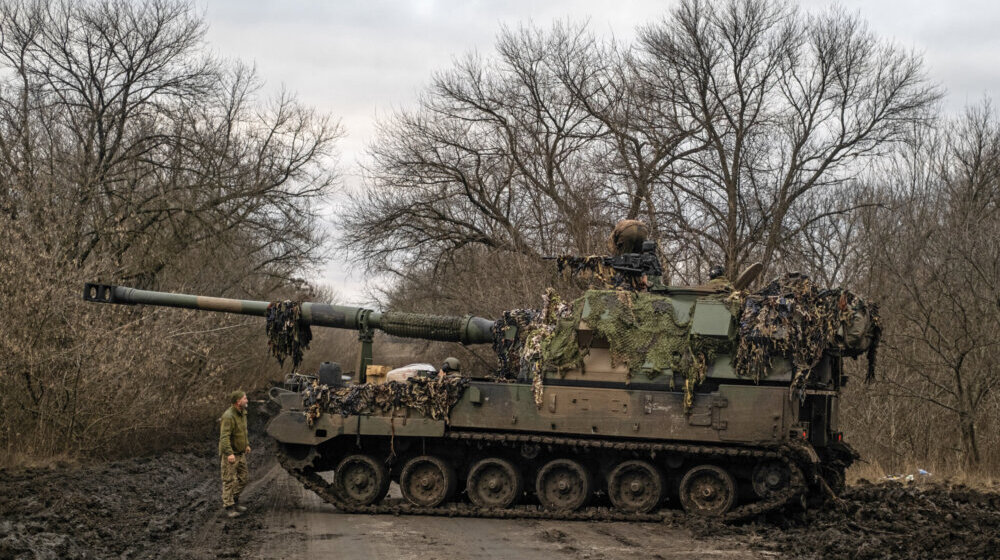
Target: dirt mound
165,506
882,521
117,509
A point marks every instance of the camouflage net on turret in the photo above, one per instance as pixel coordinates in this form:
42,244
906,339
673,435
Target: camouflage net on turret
793,318
641,329
432,397
550,342
508,348
645,336
790,318
287,336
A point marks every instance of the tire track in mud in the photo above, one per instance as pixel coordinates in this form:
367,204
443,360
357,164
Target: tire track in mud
124,509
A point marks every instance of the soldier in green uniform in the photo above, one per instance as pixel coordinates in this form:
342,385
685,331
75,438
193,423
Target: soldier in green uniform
234,445
719,280
451,367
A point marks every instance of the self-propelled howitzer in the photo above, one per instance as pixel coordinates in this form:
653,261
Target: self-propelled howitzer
722,401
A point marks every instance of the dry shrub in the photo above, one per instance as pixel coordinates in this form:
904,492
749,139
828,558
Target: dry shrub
897,434
187,181
81,378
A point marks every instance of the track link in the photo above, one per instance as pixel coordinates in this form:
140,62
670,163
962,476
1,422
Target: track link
787,453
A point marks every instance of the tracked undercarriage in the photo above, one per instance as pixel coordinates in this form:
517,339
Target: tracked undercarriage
482,474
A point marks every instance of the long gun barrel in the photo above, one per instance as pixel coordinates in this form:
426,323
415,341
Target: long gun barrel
467,329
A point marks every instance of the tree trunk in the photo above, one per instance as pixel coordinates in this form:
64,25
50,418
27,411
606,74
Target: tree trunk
970,447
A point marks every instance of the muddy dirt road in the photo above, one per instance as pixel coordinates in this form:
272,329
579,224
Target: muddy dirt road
167,506
296,524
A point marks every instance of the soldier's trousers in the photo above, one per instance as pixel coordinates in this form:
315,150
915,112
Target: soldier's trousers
234,478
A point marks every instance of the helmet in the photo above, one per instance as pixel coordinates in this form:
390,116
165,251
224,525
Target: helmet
450,364
716,272
627,237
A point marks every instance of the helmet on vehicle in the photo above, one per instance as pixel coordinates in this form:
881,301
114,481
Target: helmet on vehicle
450,364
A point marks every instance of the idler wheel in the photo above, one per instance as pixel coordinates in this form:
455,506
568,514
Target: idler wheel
707,490
494,483
427,481
769,477
563,485
361,479
635,486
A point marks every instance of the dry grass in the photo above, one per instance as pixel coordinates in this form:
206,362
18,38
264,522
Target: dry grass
873,471
18,459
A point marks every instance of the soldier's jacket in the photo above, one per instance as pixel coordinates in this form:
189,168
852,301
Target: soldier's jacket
233,432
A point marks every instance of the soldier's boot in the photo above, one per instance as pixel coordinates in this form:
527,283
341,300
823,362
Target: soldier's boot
238,506
232,512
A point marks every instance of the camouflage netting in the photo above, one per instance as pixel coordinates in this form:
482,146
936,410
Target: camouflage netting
550,341
789,318
597,273
509,349
287,336
432,397
644,335
793,318
641,330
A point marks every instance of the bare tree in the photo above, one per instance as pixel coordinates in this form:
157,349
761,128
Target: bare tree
128,154
157,142
642,133
498,155
831,246
941,274
723,127
787,104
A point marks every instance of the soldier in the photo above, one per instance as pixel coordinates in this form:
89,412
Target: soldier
627,237
234,445
450,366
717,279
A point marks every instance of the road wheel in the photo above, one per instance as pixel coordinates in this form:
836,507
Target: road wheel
494,483
361,479
635,486
427,481
707,490
769,477
563,485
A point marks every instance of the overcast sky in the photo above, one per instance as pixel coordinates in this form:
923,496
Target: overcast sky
357,60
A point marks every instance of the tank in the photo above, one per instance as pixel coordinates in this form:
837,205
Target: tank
622,405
